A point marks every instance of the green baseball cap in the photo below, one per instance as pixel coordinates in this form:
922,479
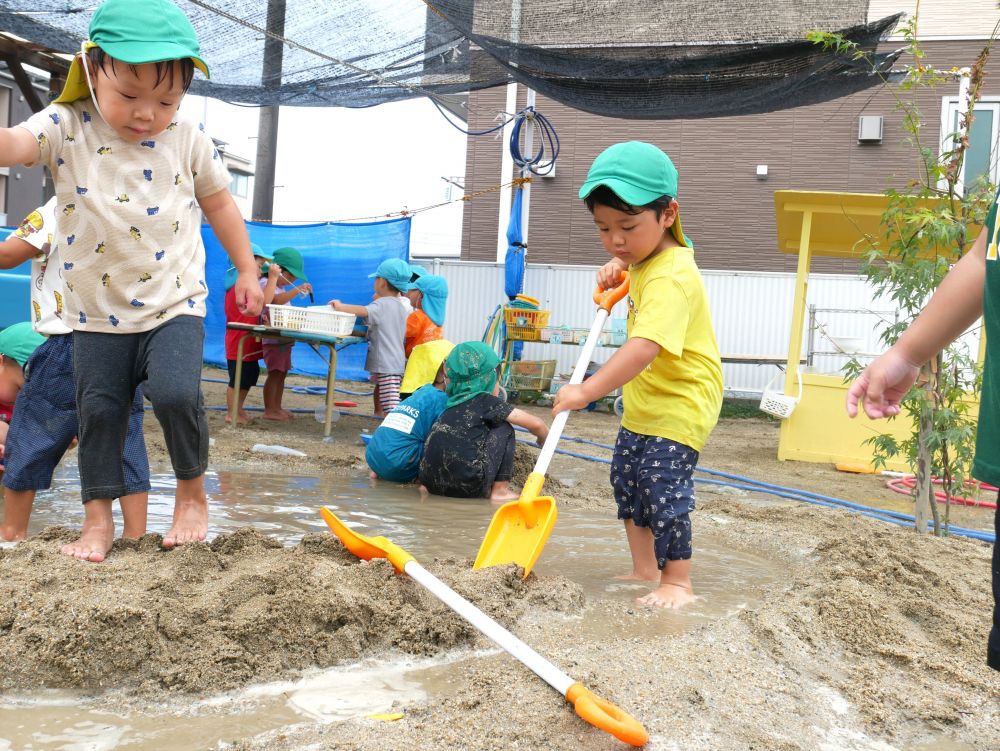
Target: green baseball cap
135,32
638,173
291,261
19,341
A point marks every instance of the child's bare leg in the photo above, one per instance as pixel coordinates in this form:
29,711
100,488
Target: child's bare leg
97,535
242,418
134,508
190,513
274,387
377,402
640,545
674,589
501,492
17,512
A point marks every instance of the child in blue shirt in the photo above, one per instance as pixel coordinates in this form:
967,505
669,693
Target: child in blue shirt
397,445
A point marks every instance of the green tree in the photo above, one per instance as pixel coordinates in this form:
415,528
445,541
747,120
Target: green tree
927,224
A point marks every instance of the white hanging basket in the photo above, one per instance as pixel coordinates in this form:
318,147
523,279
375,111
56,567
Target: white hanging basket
778,403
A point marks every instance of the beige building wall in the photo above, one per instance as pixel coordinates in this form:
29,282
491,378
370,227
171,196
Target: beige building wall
727,211
949,19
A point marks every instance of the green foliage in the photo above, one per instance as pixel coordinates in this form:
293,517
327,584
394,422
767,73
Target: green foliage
926,230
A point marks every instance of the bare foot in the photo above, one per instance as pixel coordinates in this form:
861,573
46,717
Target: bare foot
190,514
97,536
279,415
372,476
241,419
9,535
638,576
424,492
667,596
501,493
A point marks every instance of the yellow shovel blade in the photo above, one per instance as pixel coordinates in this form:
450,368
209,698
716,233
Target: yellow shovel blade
518,533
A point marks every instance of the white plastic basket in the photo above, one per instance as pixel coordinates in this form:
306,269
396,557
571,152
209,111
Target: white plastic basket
318,319
777,403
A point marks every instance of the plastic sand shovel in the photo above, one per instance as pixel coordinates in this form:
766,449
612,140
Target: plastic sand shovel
595,710
519,529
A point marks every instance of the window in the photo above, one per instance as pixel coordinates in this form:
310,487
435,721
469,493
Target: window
981,157
240,185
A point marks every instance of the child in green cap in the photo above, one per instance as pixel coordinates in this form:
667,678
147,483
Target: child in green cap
17,343
132,181
278,355
470,450
669,368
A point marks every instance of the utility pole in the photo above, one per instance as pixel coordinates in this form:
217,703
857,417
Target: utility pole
267,123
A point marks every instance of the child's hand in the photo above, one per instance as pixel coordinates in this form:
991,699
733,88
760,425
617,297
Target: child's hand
305,289
882,386
249,295
335,304
542,435
609,274
273,271
573,396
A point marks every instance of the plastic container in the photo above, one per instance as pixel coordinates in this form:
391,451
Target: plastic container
316,319
532,375
619,332
525,324
848,345
778,403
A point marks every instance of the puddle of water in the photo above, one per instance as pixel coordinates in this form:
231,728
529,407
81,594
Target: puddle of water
63,721
587,547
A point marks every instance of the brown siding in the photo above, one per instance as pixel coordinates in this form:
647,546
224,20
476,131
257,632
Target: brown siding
727,211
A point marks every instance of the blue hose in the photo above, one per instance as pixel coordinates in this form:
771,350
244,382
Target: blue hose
747,483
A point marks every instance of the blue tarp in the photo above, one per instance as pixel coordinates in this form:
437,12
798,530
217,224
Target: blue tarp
514,260
15,290
338,259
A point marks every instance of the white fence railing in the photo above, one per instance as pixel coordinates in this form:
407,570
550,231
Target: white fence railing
751,312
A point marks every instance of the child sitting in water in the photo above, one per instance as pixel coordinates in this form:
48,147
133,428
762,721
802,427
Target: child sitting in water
398,443
470,451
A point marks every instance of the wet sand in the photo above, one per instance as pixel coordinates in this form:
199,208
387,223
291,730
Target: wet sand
873,636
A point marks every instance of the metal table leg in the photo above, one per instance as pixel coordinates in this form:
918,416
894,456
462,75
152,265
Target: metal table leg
331,379
234,408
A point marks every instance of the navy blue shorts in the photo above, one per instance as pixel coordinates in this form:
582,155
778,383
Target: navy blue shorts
44,423
652,480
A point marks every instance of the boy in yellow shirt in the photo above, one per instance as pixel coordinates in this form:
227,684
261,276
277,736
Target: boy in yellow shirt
669,368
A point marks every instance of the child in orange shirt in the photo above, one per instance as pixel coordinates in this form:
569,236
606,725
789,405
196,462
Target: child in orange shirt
428,294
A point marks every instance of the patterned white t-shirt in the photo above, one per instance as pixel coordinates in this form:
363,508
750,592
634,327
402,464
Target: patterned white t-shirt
47,293
129,224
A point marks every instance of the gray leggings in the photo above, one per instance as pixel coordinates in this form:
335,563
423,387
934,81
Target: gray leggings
108,367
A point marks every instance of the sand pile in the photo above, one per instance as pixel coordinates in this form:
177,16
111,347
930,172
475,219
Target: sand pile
211,617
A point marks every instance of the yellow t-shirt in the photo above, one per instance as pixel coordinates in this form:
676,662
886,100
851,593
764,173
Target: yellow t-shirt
678,396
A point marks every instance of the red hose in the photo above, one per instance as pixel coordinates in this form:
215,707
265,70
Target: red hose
905,485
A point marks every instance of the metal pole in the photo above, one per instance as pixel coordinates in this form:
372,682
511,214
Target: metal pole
267,124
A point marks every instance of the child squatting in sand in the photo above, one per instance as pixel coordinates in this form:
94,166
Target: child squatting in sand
669,368
132,181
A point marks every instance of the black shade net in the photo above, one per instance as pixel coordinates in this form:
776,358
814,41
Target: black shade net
662,60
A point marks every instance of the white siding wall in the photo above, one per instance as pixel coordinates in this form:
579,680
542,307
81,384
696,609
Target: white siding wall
751,313
943,18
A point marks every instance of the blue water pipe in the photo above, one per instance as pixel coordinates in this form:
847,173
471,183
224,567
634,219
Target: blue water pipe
749,484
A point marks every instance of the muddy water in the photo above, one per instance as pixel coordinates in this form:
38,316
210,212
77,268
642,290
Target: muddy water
587,547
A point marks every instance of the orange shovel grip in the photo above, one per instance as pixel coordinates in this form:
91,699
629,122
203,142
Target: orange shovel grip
604,715
606,298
